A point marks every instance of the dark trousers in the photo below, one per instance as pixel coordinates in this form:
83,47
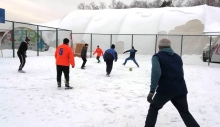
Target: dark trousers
129,58
98,58
22,61
109,65
180,102
65,70
84,62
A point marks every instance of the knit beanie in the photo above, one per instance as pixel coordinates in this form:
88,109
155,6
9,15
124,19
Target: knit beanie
27,40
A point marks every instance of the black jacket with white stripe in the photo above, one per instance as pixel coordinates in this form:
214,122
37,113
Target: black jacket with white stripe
22,48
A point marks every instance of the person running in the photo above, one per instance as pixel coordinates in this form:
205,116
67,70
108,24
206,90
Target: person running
84,55
64,57
22,54
167,79
109,56
99,53
132,56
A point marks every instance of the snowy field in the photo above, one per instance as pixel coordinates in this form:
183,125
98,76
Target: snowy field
32,99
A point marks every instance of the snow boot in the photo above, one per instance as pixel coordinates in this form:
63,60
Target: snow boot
59,85
67,86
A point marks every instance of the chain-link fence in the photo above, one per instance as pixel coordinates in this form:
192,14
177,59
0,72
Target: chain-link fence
148,43
41,37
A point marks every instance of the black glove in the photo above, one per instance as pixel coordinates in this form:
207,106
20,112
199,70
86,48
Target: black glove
25,56
115,60
150,97
123,52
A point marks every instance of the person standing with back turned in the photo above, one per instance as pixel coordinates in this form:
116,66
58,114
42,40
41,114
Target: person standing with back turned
64,57
167,78
22,54
109,56
84,55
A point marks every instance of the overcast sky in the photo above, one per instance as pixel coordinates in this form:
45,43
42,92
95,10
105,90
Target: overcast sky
40,11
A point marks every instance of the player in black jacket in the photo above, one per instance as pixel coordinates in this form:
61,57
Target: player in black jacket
84,55
22,53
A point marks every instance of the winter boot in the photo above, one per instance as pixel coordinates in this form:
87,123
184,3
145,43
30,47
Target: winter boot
59,84
67,86
21,71
107,74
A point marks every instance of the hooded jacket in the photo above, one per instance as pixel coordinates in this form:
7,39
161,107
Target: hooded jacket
167,75
110,54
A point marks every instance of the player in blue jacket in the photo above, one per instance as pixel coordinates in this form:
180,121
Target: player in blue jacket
132,56
109,56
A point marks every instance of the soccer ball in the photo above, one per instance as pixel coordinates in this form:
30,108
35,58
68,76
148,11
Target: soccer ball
130,69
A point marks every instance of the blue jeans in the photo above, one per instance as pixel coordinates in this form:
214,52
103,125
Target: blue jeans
129,58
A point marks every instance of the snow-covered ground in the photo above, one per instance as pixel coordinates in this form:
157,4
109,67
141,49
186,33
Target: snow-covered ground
32,99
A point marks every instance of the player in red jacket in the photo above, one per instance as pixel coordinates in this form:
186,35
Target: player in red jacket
99,53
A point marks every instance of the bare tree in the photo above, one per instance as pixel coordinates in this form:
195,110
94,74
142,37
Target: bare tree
178,3
82,6
118,5
138,4
88,7
143,4
112,6
215,3
166,3
155,4
102,5
94,6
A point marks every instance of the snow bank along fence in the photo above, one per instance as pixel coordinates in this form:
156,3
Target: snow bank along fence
41,37
148,43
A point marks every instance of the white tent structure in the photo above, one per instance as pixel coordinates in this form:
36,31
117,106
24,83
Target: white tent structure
170,20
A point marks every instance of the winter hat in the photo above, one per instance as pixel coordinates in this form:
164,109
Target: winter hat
132,47
165,42
113,46
27,40
65,41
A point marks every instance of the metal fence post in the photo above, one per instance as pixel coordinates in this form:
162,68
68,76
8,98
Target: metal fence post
156,45
40,39
181,50
91,47
13,38
56,37
210,50
111,40
37,40
132,40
